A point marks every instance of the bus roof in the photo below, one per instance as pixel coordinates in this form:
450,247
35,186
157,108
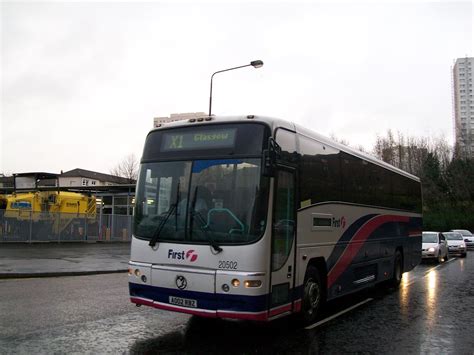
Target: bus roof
275,123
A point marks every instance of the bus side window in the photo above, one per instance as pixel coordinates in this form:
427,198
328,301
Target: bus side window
287,141
320,174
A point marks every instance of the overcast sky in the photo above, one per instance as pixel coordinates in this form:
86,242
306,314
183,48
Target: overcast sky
81,83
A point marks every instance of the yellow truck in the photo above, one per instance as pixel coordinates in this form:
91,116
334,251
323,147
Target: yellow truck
55,211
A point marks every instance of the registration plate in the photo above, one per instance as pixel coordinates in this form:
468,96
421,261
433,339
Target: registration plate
185,302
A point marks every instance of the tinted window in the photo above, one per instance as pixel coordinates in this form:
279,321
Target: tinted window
364,182
287,141
406,193
359,180
367,183
320,177
330,175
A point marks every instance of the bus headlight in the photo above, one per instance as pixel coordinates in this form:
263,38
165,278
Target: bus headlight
235,283
252,283
137,273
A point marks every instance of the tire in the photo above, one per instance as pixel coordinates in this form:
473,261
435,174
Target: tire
397,271
313,295
447,256
463,255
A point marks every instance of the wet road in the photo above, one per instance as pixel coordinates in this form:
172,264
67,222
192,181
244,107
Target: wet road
432,312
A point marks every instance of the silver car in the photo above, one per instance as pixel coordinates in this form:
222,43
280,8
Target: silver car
456,243
434,246
468,237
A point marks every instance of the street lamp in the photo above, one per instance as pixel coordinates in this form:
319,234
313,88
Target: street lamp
254,63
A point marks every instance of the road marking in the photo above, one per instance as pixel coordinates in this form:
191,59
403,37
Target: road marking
439,265
325,320
414,279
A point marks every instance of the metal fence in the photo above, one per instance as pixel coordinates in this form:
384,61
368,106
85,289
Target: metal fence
27,226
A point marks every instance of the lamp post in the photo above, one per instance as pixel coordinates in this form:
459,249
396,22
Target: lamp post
254,63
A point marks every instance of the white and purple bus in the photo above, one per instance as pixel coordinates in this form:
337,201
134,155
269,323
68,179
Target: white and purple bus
256,218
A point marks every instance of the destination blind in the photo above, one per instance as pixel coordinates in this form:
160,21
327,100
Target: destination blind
205,139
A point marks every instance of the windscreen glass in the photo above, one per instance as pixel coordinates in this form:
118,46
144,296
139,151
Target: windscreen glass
453,236
430,237
223,200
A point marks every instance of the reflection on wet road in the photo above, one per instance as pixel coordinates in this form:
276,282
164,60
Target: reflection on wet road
432,312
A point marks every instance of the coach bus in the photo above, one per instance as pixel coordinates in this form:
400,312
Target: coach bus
257,218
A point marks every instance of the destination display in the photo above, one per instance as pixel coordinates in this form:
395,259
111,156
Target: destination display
206,139
213,140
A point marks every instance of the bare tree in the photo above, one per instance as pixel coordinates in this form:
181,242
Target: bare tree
339,140
346,143
127,168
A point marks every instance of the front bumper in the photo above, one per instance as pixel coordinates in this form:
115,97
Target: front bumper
456,250
207,304
429,254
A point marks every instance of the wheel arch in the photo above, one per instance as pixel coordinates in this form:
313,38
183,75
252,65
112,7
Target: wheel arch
400,250
320,264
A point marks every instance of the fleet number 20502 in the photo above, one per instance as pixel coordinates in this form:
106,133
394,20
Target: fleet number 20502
228,264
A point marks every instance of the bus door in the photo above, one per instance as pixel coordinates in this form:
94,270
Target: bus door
283,243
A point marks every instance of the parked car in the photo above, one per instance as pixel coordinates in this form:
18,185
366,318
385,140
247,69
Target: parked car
468,237
434,246
456,243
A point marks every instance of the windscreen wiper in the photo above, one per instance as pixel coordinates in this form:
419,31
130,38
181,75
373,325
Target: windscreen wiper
193,213
163,221
178,198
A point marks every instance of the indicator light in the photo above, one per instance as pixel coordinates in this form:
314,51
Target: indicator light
225,288
252,283
137,272
144,278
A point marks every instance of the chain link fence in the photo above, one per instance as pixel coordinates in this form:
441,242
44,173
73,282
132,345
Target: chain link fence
27,226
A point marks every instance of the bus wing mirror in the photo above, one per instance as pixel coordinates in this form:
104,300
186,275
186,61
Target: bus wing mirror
270,157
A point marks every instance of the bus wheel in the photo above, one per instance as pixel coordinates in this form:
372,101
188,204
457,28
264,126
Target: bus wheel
313,295
397,271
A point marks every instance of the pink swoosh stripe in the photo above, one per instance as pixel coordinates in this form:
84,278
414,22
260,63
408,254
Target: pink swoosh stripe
357,242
